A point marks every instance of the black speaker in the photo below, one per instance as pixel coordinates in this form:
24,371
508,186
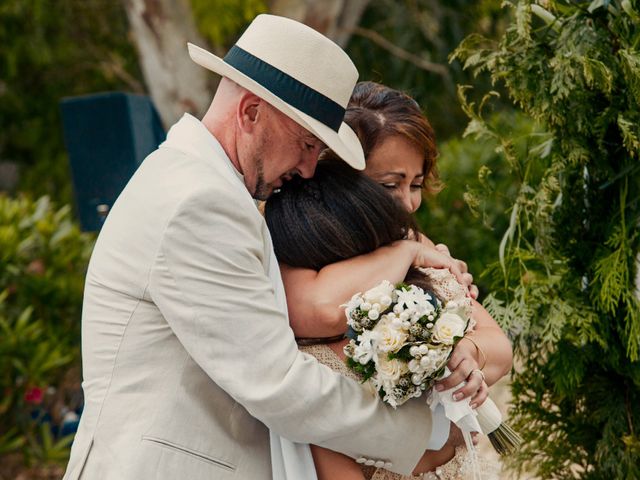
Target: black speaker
107,136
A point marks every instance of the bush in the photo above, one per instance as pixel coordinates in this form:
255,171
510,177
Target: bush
564,285
43,259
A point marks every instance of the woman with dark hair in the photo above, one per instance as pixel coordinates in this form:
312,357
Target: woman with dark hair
337,215
400,154
323,264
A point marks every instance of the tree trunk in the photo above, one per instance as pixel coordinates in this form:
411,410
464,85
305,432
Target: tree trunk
334,18
161,30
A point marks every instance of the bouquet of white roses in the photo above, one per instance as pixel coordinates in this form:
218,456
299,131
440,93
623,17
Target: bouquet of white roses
401,338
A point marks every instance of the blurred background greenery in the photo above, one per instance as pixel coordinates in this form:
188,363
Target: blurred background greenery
52,49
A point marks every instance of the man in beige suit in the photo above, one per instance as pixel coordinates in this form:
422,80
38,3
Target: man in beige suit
187,352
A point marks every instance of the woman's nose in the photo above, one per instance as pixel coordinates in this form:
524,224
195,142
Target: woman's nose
405,199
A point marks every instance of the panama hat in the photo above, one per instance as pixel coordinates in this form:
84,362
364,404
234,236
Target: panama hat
298,71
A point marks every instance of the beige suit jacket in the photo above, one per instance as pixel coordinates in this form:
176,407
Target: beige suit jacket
186,355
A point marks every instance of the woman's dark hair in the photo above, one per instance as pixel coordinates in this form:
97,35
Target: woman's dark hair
377,112
338,214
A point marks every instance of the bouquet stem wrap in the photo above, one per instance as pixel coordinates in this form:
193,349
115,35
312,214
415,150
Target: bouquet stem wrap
460,413
485,419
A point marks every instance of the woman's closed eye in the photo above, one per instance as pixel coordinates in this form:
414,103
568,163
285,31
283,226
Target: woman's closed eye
393,186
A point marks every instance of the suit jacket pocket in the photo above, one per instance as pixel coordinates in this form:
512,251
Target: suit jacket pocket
189,451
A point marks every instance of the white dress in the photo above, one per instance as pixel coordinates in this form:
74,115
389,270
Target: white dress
293,461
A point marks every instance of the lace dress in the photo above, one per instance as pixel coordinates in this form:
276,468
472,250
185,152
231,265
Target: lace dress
447,288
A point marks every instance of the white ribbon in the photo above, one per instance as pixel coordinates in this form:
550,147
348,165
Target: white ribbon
460,413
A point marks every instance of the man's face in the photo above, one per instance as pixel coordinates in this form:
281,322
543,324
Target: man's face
281,150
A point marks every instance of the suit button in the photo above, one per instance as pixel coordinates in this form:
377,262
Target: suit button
379,464
370,463
361,460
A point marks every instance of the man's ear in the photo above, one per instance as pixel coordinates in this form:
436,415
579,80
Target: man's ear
250,109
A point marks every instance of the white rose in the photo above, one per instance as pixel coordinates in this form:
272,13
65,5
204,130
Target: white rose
448,326
389,371
390,338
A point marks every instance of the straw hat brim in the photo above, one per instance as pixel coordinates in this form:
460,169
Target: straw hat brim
344,142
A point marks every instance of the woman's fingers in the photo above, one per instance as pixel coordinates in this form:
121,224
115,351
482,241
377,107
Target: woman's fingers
425,240
436,258
462,265
459,374
474,292
481,395
459,274
441,247
474,383
430,257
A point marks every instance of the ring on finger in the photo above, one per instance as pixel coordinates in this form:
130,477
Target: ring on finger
479,371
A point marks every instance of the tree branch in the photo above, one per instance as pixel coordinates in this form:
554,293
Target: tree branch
399,52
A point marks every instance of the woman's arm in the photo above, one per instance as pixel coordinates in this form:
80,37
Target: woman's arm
314,297
332,465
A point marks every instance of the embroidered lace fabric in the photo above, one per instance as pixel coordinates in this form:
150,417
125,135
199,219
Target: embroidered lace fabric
447,288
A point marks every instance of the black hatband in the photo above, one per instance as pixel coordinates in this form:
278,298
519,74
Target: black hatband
284,86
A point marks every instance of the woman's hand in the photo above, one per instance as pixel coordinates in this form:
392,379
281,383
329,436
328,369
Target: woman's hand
464,367
473,290
466,278
428,256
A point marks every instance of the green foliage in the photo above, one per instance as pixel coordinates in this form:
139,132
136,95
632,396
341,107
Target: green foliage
467,215
43,258
563,285
53,49
428,30
364,371
220,21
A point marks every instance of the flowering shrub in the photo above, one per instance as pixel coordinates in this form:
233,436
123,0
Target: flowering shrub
43,258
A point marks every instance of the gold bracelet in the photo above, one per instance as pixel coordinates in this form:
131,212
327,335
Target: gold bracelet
480,350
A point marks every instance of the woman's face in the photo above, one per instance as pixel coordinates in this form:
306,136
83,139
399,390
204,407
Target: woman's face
398,165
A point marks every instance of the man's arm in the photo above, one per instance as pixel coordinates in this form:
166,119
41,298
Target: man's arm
209,283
